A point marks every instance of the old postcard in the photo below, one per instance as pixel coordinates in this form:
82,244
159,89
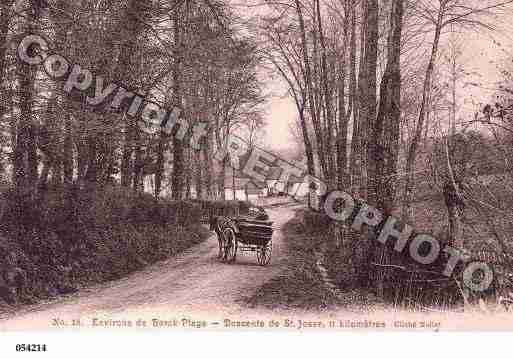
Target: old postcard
288,166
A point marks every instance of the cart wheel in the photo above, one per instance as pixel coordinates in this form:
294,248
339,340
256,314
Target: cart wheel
264,254
230,245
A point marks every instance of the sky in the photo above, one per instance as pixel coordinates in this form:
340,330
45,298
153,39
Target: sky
281,114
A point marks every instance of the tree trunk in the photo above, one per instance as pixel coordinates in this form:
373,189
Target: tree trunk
330,165
453,213
343,116
187,173
49,140
412,152
138,171
209,165
199,173
5,20
133,27
387,125
310,164
159,165
222,177
178,150
67,153
25,152
309,86
356,158
368,105
62,168
367,116
91,176
126,161
386,139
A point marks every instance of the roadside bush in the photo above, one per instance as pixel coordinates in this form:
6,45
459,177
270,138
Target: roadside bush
67,239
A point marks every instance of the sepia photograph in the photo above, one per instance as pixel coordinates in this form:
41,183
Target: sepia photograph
218,167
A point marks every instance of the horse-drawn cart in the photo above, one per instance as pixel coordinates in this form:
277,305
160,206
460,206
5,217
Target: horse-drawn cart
249,233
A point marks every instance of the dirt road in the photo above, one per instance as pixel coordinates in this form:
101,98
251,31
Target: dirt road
195,290
194,282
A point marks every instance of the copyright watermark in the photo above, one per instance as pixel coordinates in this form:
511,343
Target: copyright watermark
33,50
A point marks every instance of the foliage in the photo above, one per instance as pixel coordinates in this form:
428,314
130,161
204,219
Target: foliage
74,238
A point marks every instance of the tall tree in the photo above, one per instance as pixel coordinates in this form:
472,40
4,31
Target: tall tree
25,153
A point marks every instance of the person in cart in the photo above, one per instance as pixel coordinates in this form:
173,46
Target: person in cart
247,233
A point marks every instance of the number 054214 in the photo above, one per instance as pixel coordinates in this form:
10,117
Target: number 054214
30,347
